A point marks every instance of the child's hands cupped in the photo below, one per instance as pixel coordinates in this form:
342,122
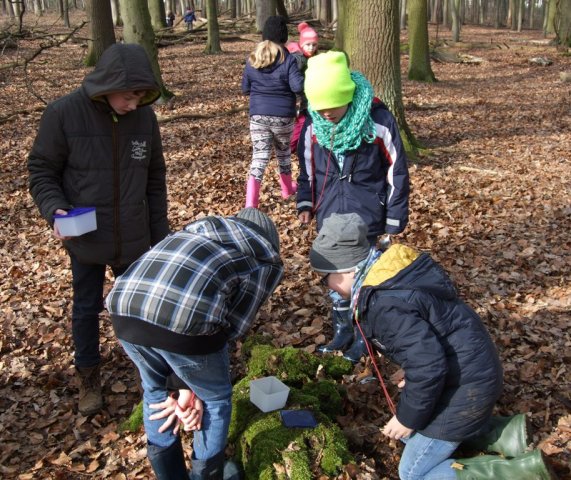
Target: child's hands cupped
396,430
190,410
187,410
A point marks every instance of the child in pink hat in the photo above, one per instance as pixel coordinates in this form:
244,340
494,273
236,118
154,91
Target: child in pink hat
303,49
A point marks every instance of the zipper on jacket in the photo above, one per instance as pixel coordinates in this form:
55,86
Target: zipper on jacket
116,187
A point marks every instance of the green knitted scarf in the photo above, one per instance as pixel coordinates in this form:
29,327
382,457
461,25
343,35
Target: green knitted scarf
355,126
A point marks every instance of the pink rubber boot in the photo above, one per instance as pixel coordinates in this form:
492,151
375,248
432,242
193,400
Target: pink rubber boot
252,192
288,186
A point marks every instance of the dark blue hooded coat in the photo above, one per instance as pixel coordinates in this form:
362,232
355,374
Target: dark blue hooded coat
453,374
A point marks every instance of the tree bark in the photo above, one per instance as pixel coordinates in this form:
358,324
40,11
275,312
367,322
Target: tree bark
158,14
213,40
264,9
116,14
138,29
455,13
419,53
101,31
563,22
370,37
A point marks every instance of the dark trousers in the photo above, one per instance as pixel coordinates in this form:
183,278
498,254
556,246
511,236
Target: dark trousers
88,281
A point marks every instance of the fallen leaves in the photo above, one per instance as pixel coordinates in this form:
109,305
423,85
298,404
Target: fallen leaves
491,202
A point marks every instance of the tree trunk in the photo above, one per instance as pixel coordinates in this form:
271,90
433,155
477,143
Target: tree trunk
455,13
116,14
213,40
403,7
370,32
419,53
264,9
551,14
563,22
158,14
138,29
38,8
101,32
281,9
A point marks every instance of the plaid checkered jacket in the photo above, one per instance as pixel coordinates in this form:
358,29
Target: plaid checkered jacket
212,276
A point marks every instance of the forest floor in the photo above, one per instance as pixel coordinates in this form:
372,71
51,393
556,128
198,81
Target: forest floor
491,200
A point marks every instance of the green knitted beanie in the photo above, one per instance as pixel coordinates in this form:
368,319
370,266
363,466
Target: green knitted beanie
328,82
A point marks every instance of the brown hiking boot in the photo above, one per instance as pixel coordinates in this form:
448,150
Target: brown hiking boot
90,399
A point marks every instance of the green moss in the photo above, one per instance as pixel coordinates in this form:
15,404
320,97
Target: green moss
135,420
267,449
329,396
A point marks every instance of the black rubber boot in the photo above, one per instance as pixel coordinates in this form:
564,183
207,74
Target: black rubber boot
215,468
357,349
168,463
342,331
508,436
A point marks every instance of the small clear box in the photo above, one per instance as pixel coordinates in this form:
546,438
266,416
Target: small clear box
77,222
268,393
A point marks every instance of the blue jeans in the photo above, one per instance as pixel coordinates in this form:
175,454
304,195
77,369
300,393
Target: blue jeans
207,375
427,458
88,281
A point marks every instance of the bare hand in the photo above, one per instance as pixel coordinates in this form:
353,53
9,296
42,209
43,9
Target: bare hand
190,410
187,410
396,430
56,233
168,411
305,217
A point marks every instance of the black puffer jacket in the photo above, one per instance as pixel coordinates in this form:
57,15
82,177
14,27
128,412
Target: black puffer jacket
453,374
87,156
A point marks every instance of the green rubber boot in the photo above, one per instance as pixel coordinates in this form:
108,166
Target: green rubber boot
529,466
507,436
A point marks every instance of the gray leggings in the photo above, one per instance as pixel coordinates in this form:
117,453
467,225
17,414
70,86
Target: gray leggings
267,132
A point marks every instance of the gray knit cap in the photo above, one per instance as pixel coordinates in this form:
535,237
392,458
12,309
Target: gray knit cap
341,244
264,224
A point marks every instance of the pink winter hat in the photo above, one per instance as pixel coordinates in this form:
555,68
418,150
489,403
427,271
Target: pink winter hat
306,34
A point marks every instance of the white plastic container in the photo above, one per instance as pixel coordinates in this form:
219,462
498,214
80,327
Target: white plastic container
77,222
268,393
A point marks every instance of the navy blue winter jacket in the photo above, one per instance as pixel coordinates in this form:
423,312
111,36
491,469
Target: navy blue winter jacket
272,89
374,182
453,374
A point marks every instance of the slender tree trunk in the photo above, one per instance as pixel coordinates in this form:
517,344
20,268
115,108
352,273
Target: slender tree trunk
455,11
138,29
281,9
562,23
419,52
551,16
101,31
264,9
213,40
370,37
116,13
158,14
403,7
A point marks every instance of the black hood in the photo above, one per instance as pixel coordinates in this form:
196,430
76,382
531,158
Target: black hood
121,68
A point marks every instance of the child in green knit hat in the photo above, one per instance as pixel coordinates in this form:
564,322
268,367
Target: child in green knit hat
352,160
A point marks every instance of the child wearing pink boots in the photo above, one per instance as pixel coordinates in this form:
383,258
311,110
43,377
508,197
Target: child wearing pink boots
271,79
302,50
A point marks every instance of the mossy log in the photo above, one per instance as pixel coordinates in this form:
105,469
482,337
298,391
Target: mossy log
266,448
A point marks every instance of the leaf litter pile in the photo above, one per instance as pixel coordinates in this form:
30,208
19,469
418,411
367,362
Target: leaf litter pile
490,199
